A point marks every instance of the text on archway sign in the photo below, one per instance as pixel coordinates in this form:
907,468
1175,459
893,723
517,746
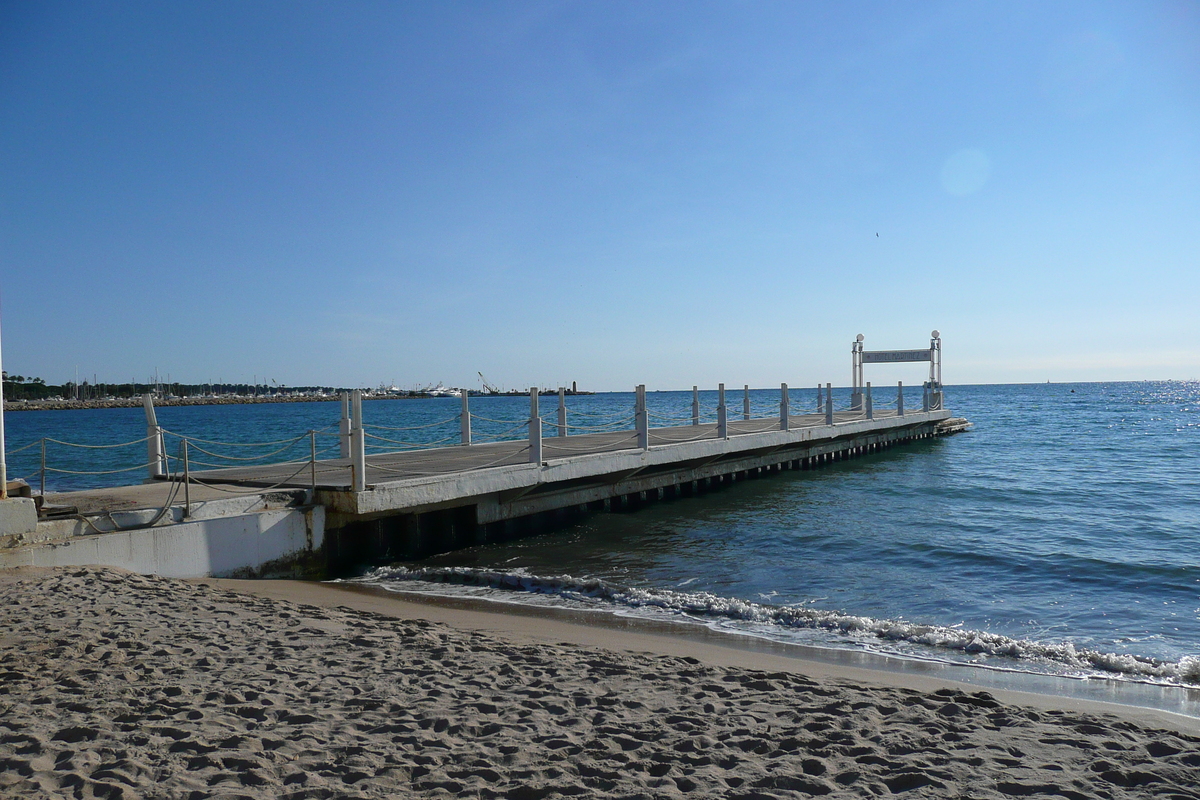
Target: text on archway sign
894,356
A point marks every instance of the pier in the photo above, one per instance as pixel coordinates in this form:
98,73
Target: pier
380,497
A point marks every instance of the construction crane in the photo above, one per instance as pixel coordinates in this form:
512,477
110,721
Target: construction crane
487,387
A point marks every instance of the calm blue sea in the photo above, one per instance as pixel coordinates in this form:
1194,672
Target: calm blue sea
1060,534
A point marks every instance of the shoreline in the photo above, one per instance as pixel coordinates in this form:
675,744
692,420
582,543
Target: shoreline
1147,703
122,685
136,402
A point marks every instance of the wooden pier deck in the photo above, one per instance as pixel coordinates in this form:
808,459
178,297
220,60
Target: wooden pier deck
500,483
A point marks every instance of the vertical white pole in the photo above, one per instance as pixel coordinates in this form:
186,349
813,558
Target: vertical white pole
870,405
784,407
344,427
695,405
746,404
562,411
722,414
464,423
358,443
899,398
829,404
535,428
3,458
641,418
154,455
820,395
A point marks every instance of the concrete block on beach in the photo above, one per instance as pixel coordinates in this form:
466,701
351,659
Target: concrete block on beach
18,517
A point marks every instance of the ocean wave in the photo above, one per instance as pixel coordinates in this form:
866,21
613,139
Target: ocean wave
704,605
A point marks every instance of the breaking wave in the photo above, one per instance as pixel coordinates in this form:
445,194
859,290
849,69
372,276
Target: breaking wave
704,606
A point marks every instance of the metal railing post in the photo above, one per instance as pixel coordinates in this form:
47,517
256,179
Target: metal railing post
746,404
535,428
925,397
695,405
784,408
820,399
641,418
43,480
187,481
464,423
899,398
829,404
154,453
870,405
562,411
722,414
358,444
344,427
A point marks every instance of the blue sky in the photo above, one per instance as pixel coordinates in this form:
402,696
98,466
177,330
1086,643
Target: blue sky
614,193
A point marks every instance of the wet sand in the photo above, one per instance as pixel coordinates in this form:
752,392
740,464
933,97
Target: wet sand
119,685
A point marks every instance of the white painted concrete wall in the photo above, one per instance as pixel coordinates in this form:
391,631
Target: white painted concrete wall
217,547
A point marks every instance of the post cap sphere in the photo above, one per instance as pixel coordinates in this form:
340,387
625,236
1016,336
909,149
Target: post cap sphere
859,338
936,334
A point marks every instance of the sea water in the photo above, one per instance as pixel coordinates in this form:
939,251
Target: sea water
1060,534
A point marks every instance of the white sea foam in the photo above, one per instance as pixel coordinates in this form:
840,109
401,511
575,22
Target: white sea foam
708,606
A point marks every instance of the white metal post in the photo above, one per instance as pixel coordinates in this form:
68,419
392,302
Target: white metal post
695,405
641,418
358,443
784,407
344,427
829,404
562,411
746,404
856,374
3,457
464,419
722,414
820,399
870,406
925,397
535,428
154,449
899,398
187,481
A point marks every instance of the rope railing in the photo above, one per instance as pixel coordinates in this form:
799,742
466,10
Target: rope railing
554,424
455,418
430,444
48,440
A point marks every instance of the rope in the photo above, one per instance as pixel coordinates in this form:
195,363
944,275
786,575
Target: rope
101,472
162,513
193,446
455,418
516,422
98,446
706,435
549,445
234,444
609,428
407,444
252,490
668,418
26,447
590,414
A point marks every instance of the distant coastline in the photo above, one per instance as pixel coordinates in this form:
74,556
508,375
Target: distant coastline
59,404
160,402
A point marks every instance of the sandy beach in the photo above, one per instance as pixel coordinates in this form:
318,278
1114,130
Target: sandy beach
120,685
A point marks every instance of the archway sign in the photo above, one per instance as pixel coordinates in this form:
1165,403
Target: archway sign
859,356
